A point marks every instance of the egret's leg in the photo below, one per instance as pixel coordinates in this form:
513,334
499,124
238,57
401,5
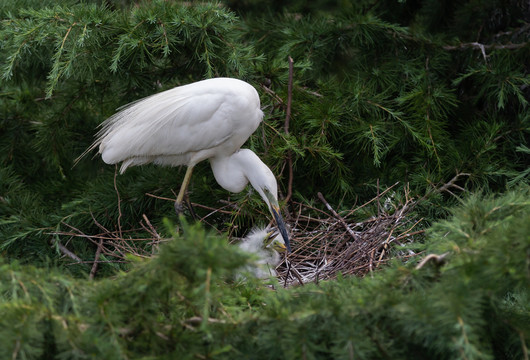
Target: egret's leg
178,204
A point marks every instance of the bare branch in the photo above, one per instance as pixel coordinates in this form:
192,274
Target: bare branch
328,206
67,252
96,260
483,47
286,128
437,259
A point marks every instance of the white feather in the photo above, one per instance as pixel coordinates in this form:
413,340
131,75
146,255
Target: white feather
267,258
181,126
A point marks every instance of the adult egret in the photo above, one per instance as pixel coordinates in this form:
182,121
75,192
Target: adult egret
267,248
209,119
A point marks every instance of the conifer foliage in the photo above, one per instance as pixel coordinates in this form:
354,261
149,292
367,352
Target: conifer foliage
379,90
467,300
357,96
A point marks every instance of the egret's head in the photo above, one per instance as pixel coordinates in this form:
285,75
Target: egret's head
262,179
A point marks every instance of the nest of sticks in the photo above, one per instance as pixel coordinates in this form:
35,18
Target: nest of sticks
324,245
332,244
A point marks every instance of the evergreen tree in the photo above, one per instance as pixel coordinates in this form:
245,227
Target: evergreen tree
469,299
357,95
380,90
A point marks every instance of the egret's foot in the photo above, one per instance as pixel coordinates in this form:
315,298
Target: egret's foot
179,208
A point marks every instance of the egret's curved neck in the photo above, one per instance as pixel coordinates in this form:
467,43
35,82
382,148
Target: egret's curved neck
235,171
229,173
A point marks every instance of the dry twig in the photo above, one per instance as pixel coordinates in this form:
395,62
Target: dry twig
286,128
96,260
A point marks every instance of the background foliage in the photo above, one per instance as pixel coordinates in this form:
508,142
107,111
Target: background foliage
429,93
184,303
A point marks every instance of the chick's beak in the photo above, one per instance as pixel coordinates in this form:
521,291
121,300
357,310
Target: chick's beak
270,240
280,247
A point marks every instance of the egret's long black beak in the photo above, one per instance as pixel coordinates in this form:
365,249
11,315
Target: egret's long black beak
275,209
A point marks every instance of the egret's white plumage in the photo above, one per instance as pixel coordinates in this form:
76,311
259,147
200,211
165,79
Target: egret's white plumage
209,119
267,248
183,125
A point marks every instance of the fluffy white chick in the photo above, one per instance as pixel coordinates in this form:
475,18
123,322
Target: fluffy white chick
267,247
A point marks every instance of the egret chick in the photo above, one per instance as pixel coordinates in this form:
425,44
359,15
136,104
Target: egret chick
209,119
267,247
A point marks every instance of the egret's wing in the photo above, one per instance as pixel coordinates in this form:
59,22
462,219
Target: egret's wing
161,125
180,121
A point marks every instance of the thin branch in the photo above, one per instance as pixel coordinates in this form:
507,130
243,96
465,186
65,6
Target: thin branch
119,200
374,199
483,47
67,252
286,128
289,96
96,260
328,206
197,320
452,182
214,210
446,187
378,202
437,259
273,94
288,271
385,247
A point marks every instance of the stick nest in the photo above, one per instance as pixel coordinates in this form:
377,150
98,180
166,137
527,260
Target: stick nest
333,244
324,244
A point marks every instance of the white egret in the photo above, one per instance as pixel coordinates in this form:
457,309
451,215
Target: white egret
267,247
209,119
